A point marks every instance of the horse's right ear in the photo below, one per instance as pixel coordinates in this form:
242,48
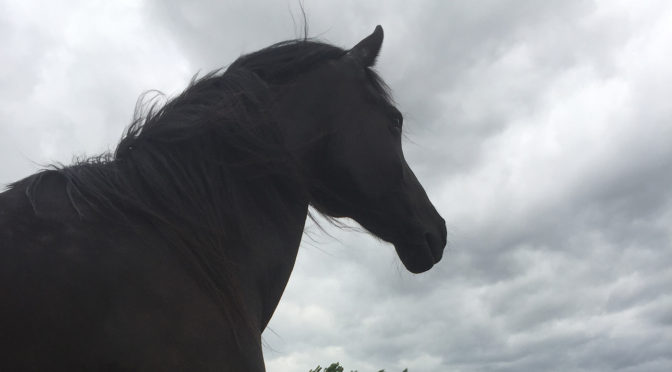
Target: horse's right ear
366,51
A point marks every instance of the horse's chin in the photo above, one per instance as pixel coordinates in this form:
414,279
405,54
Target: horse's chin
417,258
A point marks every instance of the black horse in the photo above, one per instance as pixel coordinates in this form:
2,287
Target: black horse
171,254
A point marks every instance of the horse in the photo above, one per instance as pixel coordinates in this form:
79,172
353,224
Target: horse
171,252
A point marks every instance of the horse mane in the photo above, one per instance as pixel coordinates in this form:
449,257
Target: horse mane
188,167
278,63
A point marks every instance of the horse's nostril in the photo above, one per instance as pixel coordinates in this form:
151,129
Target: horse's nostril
428,238
444,233
431,243
434,246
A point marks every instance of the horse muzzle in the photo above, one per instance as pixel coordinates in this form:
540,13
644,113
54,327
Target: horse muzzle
425,250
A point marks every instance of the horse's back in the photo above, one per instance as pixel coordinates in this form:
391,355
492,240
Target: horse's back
82,295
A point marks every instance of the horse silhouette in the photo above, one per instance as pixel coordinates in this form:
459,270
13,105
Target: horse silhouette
172,252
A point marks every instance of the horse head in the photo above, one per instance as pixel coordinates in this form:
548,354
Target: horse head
347,133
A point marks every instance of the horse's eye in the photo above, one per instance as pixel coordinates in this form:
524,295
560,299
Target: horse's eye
397,123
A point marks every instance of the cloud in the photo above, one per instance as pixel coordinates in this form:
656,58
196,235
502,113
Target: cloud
540,146
541,131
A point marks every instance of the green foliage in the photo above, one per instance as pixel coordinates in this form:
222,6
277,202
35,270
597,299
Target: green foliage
336,367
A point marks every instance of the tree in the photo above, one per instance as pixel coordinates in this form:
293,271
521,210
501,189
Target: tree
336,367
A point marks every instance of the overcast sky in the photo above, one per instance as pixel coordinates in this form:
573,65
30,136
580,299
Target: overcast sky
541,130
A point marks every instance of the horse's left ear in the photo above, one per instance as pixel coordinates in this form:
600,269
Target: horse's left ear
367,50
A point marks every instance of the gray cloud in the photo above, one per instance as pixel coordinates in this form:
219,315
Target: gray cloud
540,129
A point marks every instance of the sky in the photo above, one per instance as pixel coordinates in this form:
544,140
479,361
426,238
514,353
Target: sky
541,131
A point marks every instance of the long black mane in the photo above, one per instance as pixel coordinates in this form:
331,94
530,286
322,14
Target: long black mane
187,168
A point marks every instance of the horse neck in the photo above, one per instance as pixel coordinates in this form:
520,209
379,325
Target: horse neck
270,215
268,260
237,174
253,215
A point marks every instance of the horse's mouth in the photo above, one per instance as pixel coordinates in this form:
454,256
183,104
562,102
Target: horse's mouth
421,256
421,248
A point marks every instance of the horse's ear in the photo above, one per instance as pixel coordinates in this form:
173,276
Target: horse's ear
367,50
